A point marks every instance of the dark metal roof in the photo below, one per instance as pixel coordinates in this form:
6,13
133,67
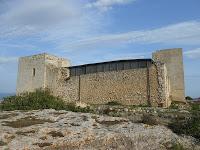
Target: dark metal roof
109,66
114,61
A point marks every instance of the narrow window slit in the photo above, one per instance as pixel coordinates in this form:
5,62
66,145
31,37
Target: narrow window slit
33,72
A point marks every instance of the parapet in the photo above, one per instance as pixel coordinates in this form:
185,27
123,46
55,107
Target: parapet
56,61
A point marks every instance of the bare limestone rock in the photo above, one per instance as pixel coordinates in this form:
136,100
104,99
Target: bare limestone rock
50,129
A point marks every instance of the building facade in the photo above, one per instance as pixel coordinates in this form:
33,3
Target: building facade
155,82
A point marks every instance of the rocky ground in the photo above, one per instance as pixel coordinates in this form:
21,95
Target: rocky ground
51,129
147,115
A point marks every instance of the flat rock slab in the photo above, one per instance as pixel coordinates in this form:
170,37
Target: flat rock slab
51,129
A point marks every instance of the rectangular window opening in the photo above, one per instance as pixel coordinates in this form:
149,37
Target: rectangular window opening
33,72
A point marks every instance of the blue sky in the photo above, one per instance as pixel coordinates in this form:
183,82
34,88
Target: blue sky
87,31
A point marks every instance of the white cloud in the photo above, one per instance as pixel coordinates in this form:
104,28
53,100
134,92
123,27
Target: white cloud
68,25
120,56
185,33
6,46
45,20
194,54
105,5
5,60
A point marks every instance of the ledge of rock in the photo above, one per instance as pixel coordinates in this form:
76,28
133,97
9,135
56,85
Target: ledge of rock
51,129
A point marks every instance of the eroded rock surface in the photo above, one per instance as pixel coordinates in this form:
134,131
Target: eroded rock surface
50,129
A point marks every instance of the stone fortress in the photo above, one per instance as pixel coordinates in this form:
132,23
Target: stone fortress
155,82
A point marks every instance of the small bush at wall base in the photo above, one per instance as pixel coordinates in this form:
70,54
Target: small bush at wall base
113,103
74,108
143,105
174,105
40,99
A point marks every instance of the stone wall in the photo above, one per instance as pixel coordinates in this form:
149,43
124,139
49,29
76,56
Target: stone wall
153,83
129,87
164,99
149,82
55,72
67,88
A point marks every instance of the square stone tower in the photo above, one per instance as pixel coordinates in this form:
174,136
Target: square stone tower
38,71
173,60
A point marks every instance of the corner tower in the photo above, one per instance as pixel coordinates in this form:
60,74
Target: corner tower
33,72
173,60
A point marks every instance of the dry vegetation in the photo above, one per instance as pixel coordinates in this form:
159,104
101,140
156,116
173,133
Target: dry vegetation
25,122
173,118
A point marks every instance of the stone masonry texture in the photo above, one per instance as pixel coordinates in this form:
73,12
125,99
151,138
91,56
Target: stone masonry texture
173,60
134,82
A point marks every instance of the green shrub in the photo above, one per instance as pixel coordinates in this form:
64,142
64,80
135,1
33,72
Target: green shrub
2,143
113,103
174,105
190,126
188,98
143,105
195,107
177,146
138,106
40,99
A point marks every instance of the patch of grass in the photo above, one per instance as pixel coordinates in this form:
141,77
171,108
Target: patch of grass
174,105
25,133
58,113
138,106
112,103
94,117
2,143
25,122
56,134
177,146
6,116
195,107
43,144
143,105
173,145
85,118
9,138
